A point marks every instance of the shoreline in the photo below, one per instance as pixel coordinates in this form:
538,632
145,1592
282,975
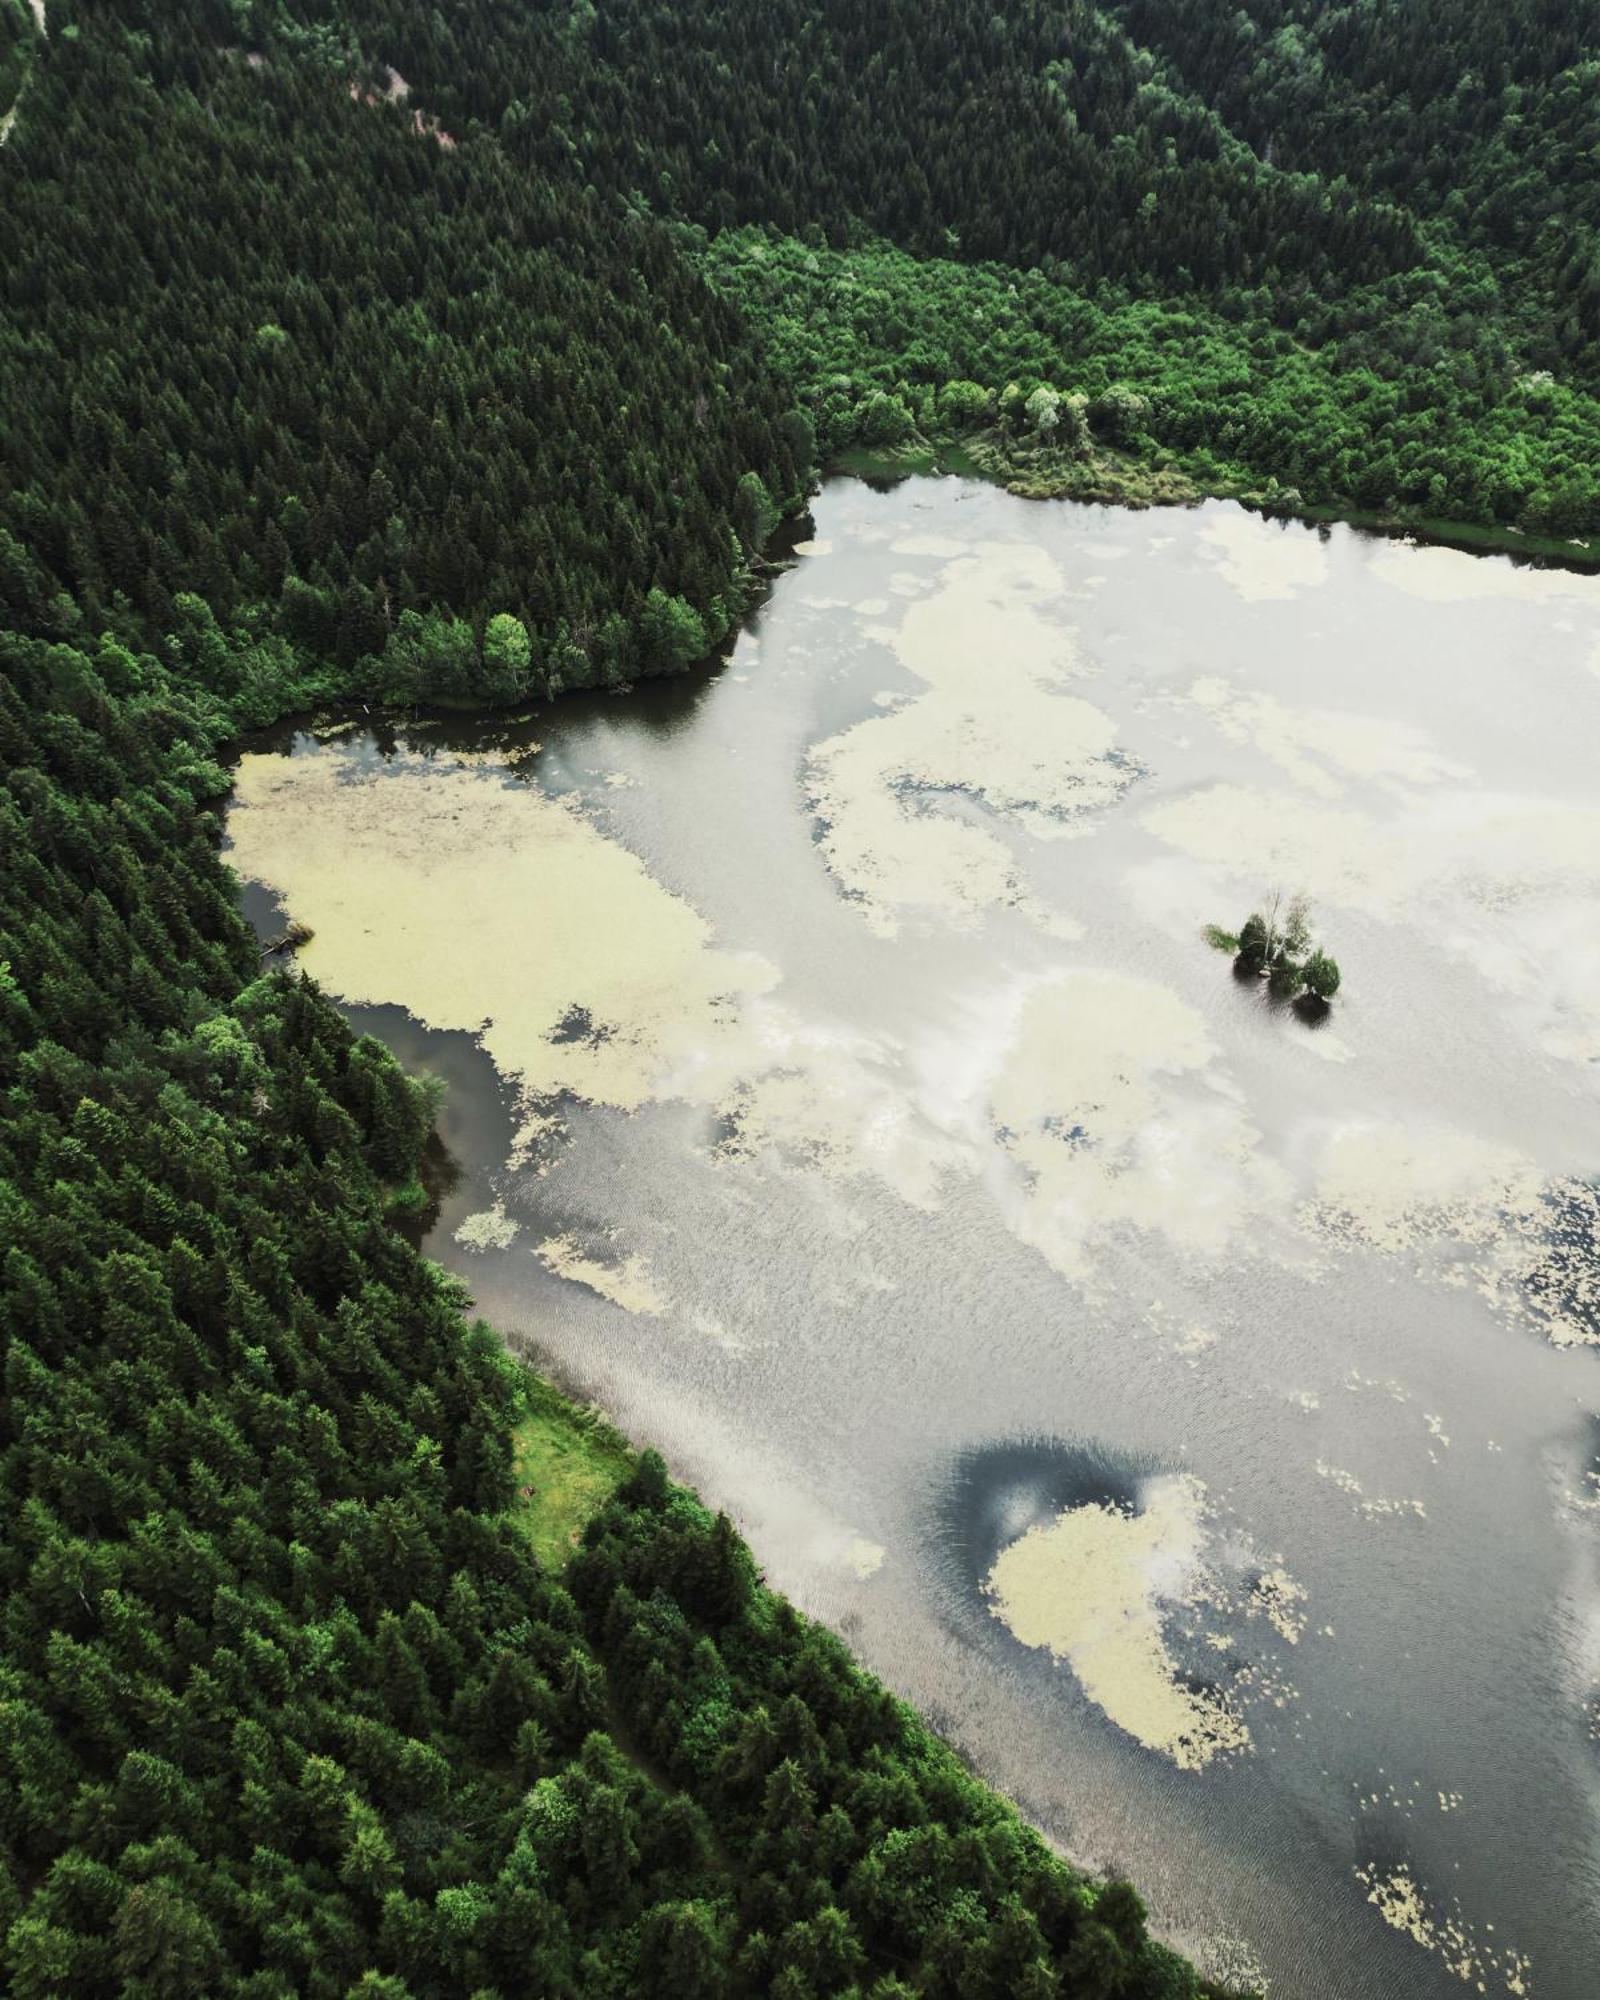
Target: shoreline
885,469
1139,487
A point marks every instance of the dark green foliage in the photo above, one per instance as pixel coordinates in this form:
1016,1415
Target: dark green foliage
1254,942
1477,114
1321,975
1278,946
353,386
754,513
1036,133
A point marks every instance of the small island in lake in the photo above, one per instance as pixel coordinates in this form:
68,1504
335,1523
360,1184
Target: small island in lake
1277,946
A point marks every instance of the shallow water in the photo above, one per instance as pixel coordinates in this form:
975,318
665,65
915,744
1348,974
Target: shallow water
1191,1408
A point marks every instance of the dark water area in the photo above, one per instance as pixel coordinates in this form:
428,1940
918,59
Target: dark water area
999,1491
1190,1404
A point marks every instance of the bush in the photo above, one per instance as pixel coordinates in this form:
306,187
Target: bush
1322,975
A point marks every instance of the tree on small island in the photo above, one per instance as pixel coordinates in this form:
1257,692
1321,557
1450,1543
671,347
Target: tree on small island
1277,946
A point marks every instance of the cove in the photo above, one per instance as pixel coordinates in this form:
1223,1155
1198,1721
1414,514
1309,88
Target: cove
1191,1411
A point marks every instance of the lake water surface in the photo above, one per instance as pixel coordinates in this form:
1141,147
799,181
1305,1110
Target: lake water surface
1192,1408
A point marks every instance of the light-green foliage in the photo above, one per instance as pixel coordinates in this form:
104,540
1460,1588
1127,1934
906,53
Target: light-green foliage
755,515
507,658
1322,975
672,634
888,349
566,1464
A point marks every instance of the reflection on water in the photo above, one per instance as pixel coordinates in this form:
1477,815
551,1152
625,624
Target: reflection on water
1186,1403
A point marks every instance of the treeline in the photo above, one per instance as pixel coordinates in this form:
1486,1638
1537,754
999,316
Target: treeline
289,1706
357,388
1078,394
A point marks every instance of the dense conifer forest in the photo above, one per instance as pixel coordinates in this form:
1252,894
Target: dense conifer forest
453,356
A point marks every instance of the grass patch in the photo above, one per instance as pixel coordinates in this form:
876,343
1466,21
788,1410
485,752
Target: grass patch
1025,467
568,1462
904,461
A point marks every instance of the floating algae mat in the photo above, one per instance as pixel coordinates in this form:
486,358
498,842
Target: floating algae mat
1091,1588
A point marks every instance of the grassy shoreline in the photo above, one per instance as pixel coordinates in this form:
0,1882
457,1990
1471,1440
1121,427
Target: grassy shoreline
568,1460
1108,479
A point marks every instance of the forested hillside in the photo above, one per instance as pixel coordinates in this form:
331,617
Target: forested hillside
391,335
1378,218
1481,114
290,1704
415,354
342,379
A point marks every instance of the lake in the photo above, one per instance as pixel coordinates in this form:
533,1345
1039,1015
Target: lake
1190,1405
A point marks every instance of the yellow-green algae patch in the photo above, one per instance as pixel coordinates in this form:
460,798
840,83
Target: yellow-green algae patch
1462,1947
991,724
483,905
1108,1101
862,1558
1280,1600
941,546
1393,1186
1305,742
1453,576
841,1112
1090,1588
1516,1235
1371,1509
1331,852
1262,566
489,1229
625,1283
